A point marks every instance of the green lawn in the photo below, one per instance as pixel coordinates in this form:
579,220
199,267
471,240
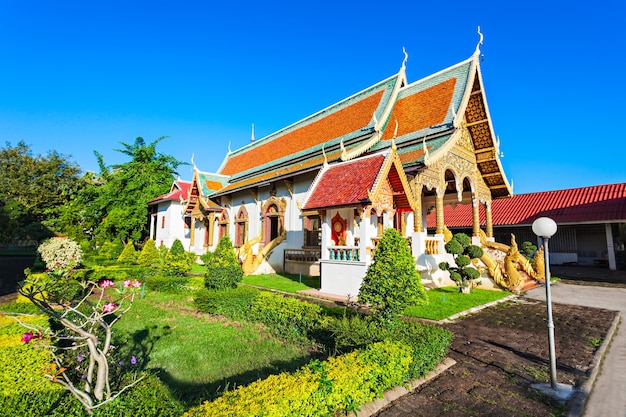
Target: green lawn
444,302
198,355
283,282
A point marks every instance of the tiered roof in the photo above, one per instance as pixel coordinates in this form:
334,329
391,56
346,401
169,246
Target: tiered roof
601,203
422,115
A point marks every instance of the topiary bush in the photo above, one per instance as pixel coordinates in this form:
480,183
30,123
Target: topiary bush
60,253
149,255
169,284
177,261
392,282
129,254
223,270
111,250
463,252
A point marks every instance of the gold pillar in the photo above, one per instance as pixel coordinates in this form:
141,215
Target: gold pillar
488,219
192,232
439,213
475,218
417,213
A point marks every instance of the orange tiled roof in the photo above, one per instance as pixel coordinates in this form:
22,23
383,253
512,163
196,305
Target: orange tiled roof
421,110
334,125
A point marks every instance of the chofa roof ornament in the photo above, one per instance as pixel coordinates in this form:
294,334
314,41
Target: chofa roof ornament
480,42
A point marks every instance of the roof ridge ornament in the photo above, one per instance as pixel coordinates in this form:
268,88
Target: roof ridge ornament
480,42
406,57
426,155
252,135
324,153
343,150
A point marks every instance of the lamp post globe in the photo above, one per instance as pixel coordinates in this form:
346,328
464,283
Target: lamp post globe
544,227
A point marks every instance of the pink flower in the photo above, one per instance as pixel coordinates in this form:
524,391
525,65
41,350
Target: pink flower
107,283
126,283
28,337
135,284
107,308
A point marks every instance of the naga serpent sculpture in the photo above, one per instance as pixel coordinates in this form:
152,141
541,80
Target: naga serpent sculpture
511,278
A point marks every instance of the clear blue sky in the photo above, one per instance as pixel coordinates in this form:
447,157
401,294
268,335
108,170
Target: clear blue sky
79,76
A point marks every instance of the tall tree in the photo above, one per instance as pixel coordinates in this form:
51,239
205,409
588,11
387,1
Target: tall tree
32,188
127,189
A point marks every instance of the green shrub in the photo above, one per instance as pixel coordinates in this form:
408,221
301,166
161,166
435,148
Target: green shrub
169,284
149,398
223,269
178,264
286,316
338,385
357,332
392,283
111,250
129,254
206,257
177,248
234,303
149,254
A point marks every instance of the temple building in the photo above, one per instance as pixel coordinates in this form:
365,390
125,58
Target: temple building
315,197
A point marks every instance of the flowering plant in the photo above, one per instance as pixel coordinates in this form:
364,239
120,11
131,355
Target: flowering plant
80,335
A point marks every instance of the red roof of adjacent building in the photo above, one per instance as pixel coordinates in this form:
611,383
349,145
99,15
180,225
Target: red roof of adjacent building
345,184
600,203
179,191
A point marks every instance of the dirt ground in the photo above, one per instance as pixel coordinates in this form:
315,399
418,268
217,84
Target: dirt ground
500,352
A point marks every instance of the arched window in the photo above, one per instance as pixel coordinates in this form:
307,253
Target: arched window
273,212
241,226
223,224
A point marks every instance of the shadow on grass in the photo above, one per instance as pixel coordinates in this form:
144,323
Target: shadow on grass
141,344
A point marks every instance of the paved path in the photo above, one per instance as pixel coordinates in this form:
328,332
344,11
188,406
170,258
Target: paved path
608,394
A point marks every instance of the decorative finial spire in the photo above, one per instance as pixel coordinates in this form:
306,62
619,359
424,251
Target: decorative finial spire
192,161
395,131
406,57
393,144
324,153
426,156
229,151
252,135
375,119
480,42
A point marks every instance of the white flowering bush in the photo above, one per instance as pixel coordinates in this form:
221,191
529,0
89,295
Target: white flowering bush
60,253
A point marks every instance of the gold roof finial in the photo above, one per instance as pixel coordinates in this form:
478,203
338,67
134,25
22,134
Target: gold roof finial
252,135
324,153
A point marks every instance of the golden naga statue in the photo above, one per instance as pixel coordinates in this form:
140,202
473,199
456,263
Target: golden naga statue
249,262
511,279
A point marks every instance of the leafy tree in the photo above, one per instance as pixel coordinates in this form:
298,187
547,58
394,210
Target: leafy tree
223,270
149,254
129,254
528,249
130,186
32,188
392,282
463,252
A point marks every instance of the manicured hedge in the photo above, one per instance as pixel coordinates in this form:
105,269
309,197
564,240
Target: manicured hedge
338,384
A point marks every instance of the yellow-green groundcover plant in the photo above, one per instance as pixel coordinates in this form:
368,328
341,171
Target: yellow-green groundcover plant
340,384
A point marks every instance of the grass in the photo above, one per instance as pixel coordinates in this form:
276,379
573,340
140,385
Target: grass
283,282
446,301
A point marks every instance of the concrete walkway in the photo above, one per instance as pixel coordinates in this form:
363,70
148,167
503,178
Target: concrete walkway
608,392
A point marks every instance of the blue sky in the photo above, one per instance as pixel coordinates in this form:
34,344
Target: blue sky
82,76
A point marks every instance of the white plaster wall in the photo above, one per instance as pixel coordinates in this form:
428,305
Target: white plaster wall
174,225
342,278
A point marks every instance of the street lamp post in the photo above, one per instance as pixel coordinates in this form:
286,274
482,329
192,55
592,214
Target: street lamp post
545,228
